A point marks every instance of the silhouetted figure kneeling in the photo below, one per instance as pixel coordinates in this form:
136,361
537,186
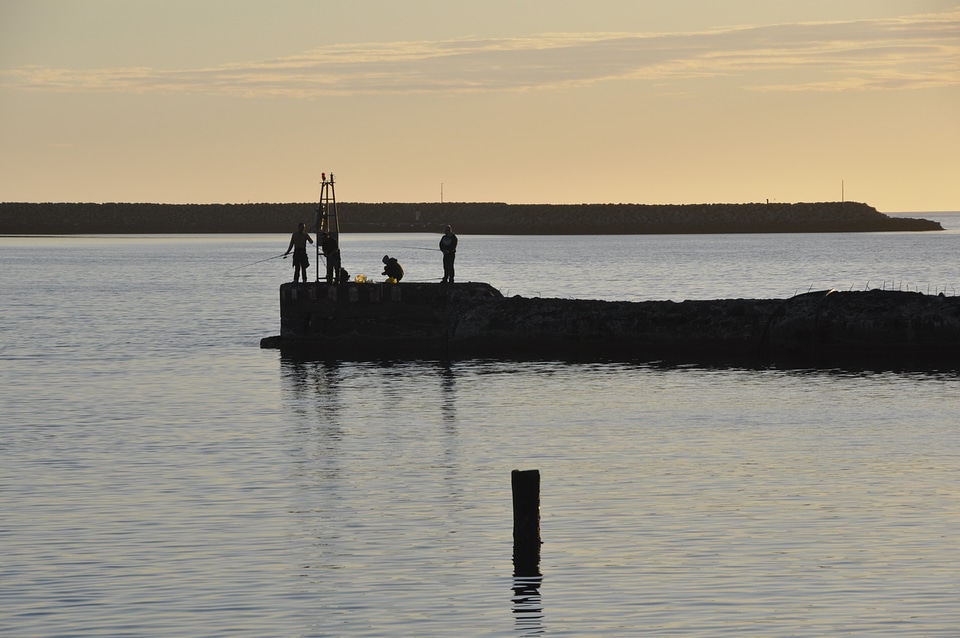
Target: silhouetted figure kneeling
392,268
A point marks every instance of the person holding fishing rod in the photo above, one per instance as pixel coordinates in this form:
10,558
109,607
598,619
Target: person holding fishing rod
448,246
331,252
298,244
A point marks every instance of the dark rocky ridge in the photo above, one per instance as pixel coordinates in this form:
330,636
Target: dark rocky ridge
468,218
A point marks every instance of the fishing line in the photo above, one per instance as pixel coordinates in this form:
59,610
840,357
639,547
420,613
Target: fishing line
258,262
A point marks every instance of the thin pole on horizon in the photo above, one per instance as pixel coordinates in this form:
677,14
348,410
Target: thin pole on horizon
441,192
842,195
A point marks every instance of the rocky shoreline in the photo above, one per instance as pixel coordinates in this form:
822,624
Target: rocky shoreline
491,218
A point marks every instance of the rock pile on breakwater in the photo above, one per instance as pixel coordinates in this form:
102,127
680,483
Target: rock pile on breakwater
468,218
821,327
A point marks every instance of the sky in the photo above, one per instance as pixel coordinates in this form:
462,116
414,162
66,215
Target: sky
517,101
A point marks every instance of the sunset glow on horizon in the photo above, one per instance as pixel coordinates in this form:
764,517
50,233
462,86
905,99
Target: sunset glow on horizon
615,101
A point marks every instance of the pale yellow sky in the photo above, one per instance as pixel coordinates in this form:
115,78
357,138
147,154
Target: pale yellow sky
520,101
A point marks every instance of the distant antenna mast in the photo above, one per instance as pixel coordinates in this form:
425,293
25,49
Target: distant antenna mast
441,192
327,220
841,192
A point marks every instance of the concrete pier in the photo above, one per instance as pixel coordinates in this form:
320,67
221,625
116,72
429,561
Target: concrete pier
475,320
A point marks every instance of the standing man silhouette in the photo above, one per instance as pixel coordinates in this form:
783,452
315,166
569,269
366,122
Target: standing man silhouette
331,250
448,246
298,244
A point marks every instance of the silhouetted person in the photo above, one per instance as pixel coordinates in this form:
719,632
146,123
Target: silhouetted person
392,268
331,250
448,246
298,244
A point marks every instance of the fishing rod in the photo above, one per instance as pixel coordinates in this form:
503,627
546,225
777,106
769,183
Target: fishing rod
418,248
259,261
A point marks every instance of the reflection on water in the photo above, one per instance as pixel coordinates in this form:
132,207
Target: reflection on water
449,386
316,405
527,604
315,381
741,477
163,476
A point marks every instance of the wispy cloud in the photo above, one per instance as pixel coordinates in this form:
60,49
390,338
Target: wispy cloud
907,53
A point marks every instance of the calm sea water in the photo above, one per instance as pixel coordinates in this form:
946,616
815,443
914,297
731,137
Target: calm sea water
163,476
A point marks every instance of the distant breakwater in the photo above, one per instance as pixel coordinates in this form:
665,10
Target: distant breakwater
491,218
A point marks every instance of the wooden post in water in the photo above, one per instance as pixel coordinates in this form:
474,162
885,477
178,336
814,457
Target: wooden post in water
526,522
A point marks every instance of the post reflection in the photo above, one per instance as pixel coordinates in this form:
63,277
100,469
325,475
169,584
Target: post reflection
527,603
